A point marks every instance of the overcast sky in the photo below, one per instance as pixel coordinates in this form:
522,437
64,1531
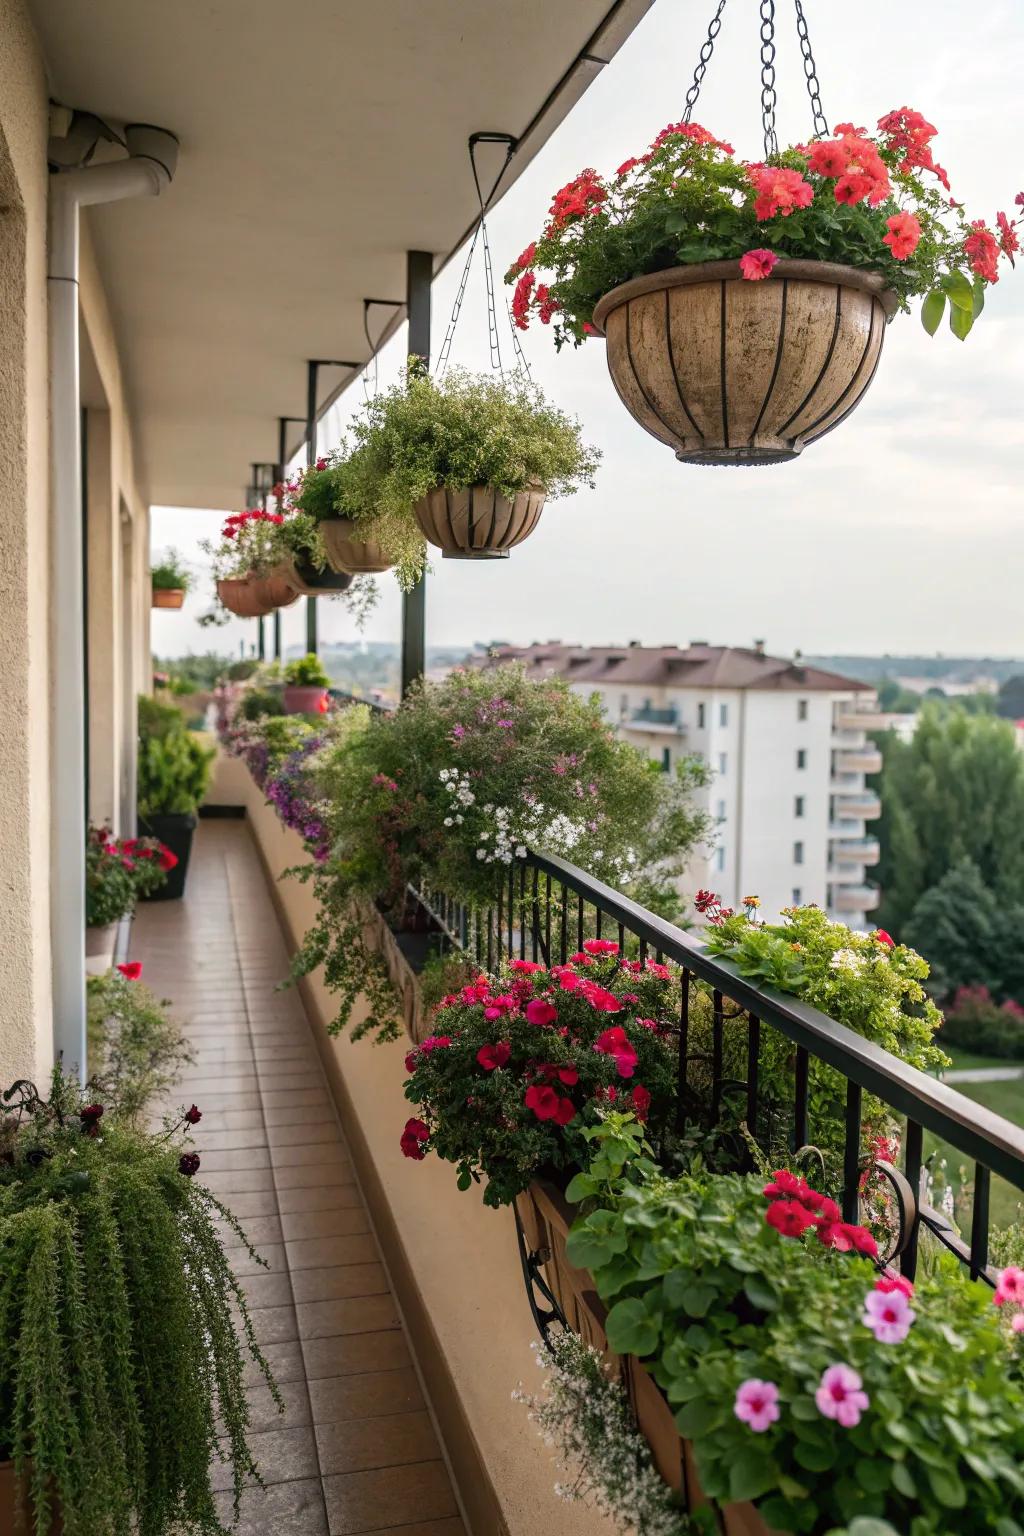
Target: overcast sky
901,531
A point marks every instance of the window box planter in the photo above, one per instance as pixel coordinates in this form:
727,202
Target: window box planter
300,699
175,831
100,942
477,523
732,372
168,597
242,597
543,1218
347,553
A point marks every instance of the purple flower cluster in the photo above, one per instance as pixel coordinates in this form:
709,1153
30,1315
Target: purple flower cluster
288,792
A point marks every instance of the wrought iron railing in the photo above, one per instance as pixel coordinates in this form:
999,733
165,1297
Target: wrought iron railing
546,909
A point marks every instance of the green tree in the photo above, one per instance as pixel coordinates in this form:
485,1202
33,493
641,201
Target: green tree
963,932
1010,699
895,699
955,791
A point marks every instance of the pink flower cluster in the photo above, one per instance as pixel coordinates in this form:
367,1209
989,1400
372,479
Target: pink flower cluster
1010,1290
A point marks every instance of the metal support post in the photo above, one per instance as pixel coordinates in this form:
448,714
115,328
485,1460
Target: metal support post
419,276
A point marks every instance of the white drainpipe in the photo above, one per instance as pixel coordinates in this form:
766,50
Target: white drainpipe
153,157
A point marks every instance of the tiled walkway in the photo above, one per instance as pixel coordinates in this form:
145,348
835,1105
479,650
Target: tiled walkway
356,1450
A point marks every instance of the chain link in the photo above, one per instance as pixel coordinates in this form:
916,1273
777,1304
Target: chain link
481,230
707,49
769,95
811,73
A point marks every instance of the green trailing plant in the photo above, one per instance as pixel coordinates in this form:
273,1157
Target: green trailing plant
120,870
170,573
804,1380
173,764
307,672
126,1333
455,432
136,1050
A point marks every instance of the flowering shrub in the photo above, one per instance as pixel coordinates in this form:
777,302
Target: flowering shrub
517,1069
289,789
136,1051
870,200
806,1380
120,870
457,431
976,1022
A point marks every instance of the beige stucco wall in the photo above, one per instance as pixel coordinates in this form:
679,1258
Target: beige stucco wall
25,1036
119,606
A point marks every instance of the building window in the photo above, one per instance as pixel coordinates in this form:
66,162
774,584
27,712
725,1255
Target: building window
723,714
801,757
624,704
798,806
700,717
721,810
666,759
801,709
798,895
798,853
723,761
721,861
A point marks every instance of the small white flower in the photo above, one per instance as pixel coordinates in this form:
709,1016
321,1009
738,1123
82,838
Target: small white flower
449,822
846,960
520,851
481,853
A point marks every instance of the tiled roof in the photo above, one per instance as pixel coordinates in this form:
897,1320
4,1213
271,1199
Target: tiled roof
698,666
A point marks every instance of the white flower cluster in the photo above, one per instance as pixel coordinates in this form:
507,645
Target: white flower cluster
457,785
588,1418
847,960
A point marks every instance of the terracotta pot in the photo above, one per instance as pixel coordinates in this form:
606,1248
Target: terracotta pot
100,943
306,579
302,700
275,589
727,371
347,552
240,596
16,1513
168,597
477,523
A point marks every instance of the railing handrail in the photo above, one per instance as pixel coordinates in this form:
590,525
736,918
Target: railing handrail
978,1132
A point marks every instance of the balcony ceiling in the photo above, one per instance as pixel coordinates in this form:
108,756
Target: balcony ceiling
319,142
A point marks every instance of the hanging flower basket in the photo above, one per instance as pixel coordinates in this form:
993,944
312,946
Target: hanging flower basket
728,371
347,553
275,590
168,597
309,582
478,523
242,596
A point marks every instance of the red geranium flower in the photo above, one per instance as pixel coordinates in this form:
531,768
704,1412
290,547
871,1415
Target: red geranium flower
131,969
600,947
540,1011
615,1043
640,1101
789,1217
193,1115
881,937
755,265
549,1105
413,1139
167,859
492,1056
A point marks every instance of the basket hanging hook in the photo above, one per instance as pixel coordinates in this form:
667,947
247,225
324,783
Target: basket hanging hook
480,234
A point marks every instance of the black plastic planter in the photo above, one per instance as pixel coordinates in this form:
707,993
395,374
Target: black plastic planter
175,832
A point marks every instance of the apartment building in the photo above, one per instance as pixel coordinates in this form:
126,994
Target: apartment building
789,752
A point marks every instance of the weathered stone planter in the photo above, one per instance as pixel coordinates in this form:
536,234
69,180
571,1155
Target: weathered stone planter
242,597
347,552
168,597
545,1218
727,371
477,523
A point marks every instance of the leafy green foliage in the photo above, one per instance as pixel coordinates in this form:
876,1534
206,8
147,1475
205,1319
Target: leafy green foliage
307,672
488,1087
260,704
136,1050
457,431
975,1022
125,1331
712,1296
170,573
173,764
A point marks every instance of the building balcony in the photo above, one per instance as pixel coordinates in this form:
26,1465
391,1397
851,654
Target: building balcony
848,718
864,759
855,850
654,722
860,803
855,898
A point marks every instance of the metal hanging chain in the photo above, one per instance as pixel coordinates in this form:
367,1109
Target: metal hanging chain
769,95
707,49
811,73
481,228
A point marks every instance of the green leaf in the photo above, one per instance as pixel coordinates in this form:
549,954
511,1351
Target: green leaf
947,1487
960,322
959,289
580,1187
902,1480
815,1458
978,291
464,1180
866,1525
751,1475
804,1408
760,1295
874,1473
696,1418
932,310
630,1328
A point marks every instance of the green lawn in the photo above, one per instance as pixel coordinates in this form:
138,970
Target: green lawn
1006,1099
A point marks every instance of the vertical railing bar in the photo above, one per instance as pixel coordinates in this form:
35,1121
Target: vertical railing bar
511,909
753,1065
659,957
717,1041
563,942
851,1152
598,920
643,950
522,911
535,921
479,936
622,938
579,920
979,1220
801,1130
914,1149
500,923
684,1047
547,919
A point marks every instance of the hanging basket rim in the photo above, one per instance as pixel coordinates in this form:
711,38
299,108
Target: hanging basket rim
798,267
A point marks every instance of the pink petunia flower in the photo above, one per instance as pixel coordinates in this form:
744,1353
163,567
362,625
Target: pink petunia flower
1010,1286
840,1395
757,1404
756,265
889,1315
